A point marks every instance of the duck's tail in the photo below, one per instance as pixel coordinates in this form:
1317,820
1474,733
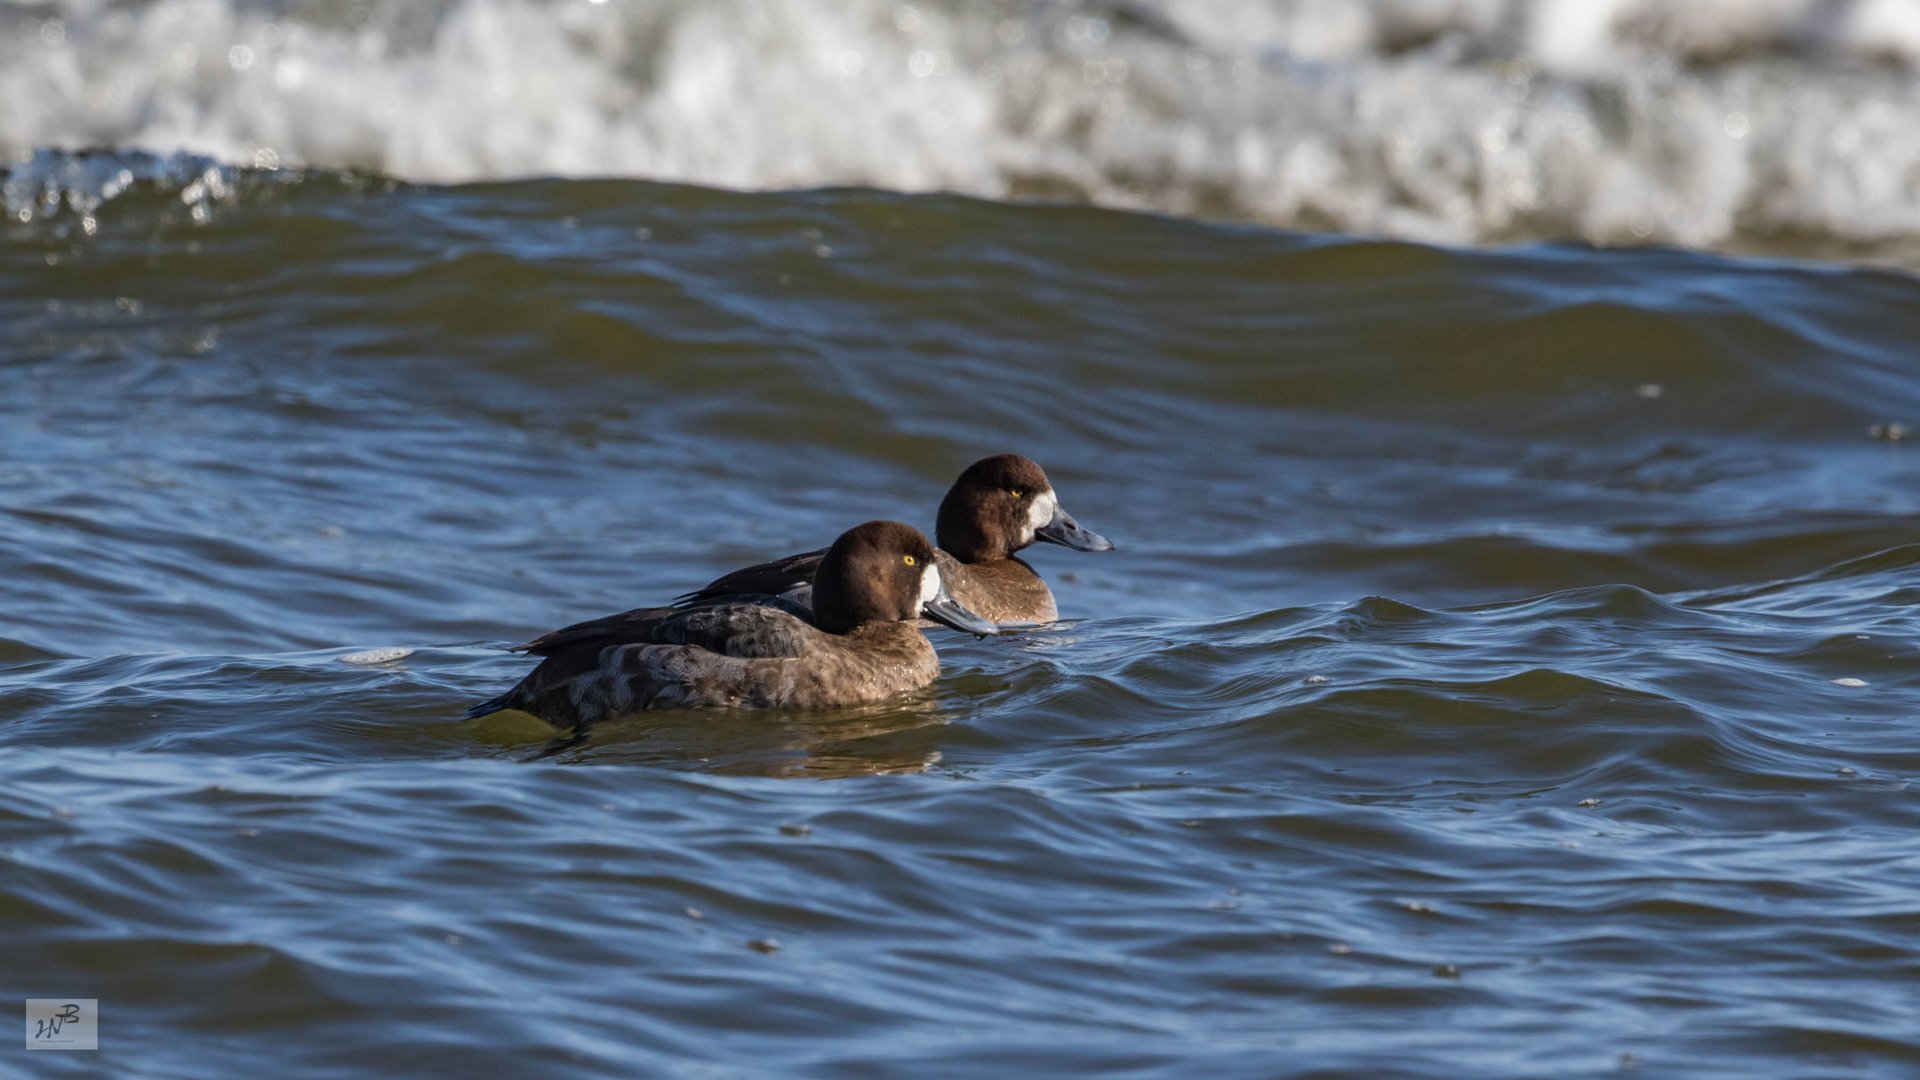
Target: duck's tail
491,705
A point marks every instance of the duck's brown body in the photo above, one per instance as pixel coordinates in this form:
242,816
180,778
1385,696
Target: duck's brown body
999,506
780,662
857,645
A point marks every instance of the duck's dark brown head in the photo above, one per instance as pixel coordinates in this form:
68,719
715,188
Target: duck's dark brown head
1000,505
884,571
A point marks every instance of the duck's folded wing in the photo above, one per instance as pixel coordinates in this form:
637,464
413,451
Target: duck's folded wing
625,628
776,578
752,627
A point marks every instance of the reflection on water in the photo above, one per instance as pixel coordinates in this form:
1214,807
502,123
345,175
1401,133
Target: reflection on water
898,737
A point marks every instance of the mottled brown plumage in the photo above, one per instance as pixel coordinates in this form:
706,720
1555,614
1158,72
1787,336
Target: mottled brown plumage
857,645
998,506
1003,590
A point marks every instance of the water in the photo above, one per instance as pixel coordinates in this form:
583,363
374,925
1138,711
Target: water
1755,125
1507,669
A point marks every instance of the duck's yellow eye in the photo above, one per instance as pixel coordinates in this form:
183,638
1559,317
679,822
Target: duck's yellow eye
1016,493
909,560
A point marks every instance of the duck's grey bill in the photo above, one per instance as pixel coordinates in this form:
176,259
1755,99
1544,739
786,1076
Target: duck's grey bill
947,611
1067,532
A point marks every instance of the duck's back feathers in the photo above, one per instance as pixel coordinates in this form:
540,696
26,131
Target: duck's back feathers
632,625
720,654
1004,590
748,626
790,578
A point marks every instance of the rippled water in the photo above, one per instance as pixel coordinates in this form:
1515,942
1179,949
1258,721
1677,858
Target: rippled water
1507,669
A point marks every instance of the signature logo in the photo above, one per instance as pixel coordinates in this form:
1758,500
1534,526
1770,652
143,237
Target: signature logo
50,1026
63,1024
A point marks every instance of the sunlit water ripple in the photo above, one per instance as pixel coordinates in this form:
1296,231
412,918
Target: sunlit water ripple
1507,668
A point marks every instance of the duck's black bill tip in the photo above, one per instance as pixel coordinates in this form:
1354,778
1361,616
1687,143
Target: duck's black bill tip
1066,532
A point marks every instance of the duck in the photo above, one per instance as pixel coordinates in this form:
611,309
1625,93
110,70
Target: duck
999,506
856,643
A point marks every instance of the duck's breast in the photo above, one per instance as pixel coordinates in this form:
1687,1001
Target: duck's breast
1004,590
873,663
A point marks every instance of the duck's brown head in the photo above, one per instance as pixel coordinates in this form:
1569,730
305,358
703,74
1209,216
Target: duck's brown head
1000,505
884,571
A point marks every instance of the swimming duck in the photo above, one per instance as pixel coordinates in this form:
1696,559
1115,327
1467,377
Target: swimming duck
856,644
998,506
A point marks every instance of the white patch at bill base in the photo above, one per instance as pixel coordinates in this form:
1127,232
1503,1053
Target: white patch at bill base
1045,505
929,587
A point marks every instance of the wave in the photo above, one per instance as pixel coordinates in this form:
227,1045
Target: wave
1779,125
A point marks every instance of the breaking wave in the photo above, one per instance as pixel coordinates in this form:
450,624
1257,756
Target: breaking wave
1774,124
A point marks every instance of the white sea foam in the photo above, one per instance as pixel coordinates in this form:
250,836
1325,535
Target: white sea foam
1710,122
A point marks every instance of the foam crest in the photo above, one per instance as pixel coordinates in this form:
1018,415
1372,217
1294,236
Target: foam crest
1763,123
52,184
